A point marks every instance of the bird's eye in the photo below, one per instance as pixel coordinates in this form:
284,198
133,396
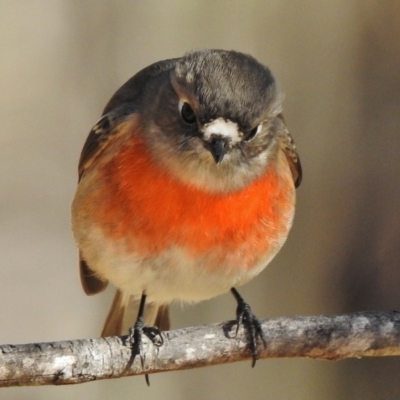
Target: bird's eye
188,114
253,133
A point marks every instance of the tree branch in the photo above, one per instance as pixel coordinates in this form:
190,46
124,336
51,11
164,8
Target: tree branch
363,334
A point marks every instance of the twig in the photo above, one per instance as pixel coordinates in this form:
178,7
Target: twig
363,334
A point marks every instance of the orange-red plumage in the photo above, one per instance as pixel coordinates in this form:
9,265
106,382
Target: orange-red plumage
145,206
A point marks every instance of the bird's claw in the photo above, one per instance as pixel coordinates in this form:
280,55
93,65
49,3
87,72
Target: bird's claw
135,341
252,325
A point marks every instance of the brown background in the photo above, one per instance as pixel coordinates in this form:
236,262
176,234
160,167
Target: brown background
338,63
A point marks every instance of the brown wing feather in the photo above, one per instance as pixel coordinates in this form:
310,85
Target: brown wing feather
294,165
289,148
105,130
99,137
90,282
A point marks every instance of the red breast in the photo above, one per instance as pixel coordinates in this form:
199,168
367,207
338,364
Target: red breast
143,205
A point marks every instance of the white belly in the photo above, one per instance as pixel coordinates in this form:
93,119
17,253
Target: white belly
172,275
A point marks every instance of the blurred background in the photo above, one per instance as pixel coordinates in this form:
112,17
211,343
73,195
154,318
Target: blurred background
338,63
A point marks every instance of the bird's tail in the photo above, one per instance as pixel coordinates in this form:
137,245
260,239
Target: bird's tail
124,311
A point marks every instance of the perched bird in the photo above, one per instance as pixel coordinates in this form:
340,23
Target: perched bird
186,188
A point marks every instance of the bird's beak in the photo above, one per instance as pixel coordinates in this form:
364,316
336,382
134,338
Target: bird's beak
217,147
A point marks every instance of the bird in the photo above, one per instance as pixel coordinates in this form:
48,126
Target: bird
186,189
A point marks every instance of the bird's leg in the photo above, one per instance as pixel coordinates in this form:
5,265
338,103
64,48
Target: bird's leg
252,325
135,336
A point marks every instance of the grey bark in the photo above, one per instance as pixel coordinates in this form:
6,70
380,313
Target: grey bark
363,334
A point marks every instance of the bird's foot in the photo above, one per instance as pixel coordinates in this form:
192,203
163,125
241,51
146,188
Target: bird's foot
135,341
252,325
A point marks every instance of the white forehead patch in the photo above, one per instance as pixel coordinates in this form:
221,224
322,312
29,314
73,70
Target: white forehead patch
224,128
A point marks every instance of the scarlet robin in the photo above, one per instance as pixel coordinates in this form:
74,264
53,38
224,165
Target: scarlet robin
186,188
